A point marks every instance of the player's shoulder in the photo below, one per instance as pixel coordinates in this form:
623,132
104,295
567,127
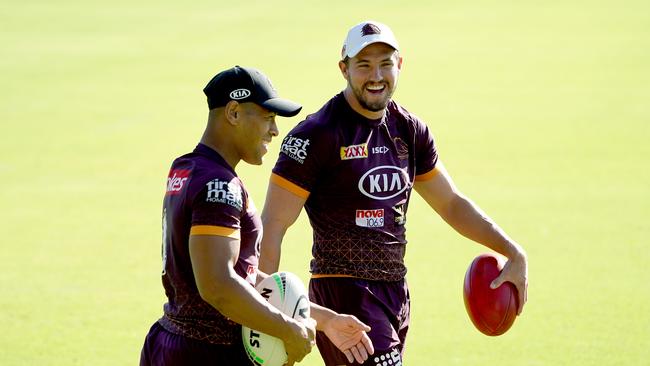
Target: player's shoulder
400,112
313,138
318,127
202,169
327,117
207,170
216,183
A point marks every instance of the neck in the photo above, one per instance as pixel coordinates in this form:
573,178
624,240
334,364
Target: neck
357,107
220,144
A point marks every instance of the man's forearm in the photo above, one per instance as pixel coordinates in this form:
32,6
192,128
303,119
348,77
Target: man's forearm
470,221
240,302
271,248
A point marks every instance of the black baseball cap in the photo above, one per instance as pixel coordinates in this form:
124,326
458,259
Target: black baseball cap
245,84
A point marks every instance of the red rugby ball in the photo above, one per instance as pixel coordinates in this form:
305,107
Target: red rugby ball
492,311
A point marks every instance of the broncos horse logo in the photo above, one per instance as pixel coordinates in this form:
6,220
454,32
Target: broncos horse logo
369,29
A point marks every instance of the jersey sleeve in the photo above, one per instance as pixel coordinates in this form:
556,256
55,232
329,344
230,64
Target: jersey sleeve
426,152
217,208
303,155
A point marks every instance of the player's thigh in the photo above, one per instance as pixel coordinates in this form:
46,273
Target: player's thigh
162,347
332,356
384,306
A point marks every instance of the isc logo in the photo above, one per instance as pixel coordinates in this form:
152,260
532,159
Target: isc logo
370,218
239,94
380,150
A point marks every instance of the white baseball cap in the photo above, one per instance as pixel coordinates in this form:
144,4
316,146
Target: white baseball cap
367,33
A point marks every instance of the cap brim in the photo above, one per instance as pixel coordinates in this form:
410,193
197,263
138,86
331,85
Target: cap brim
353,52
282,107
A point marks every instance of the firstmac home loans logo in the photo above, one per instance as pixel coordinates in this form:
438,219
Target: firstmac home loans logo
295,148
225,192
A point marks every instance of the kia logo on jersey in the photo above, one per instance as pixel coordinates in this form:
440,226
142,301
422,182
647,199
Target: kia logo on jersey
383,182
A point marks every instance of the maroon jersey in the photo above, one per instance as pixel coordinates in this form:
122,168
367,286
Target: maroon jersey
204,197
357,175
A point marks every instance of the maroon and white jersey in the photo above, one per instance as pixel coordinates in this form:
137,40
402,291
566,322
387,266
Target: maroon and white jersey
357,175
204,197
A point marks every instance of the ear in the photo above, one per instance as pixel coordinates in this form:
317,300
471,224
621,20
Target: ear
233,112
344,70
399,63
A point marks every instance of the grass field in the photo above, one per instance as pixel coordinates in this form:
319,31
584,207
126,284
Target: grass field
540,111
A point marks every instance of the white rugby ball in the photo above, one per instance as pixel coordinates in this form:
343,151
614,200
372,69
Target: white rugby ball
287,293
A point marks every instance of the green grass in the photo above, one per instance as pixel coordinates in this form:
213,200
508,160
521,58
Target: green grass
540,112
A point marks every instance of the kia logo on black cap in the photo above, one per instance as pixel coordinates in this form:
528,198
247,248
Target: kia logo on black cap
240,94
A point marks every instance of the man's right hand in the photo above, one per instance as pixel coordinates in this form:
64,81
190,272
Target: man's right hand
299,340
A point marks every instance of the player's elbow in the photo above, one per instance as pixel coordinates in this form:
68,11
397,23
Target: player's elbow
208,292
216,292
457,212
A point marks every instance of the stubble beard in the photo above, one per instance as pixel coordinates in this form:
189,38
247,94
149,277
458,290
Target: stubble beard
376,106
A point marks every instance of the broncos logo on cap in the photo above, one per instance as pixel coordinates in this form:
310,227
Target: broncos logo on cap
369,29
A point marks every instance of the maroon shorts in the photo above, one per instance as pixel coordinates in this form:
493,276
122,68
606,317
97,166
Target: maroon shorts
162,347
384,306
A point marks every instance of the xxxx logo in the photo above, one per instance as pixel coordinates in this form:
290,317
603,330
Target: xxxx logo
354,151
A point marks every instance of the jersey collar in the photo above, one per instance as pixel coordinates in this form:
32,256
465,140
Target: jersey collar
210,153
358,118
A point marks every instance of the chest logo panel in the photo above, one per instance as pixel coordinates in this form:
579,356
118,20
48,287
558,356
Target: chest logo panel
354,151
383,182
